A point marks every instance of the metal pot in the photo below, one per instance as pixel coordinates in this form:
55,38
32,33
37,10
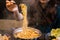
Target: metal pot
27,39
20,29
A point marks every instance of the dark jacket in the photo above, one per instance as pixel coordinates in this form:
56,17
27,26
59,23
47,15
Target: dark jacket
58,17
42,18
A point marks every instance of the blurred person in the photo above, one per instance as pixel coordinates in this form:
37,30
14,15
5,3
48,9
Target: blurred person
42,15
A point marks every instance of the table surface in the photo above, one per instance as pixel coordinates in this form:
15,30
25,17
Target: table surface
8,24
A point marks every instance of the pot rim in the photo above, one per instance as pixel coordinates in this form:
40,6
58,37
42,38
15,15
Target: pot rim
20,29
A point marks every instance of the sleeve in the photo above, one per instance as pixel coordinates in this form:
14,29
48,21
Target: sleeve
58,16
56,23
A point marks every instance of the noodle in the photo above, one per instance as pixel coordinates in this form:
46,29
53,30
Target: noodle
27,33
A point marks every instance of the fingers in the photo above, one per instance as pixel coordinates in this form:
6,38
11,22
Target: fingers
10,1
7,0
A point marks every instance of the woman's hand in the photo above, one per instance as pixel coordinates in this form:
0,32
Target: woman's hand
11,5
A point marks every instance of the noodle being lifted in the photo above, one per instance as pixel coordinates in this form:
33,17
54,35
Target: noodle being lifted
27,32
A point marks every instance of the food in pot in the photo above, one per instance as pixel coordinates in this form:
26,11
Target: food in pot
29,33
